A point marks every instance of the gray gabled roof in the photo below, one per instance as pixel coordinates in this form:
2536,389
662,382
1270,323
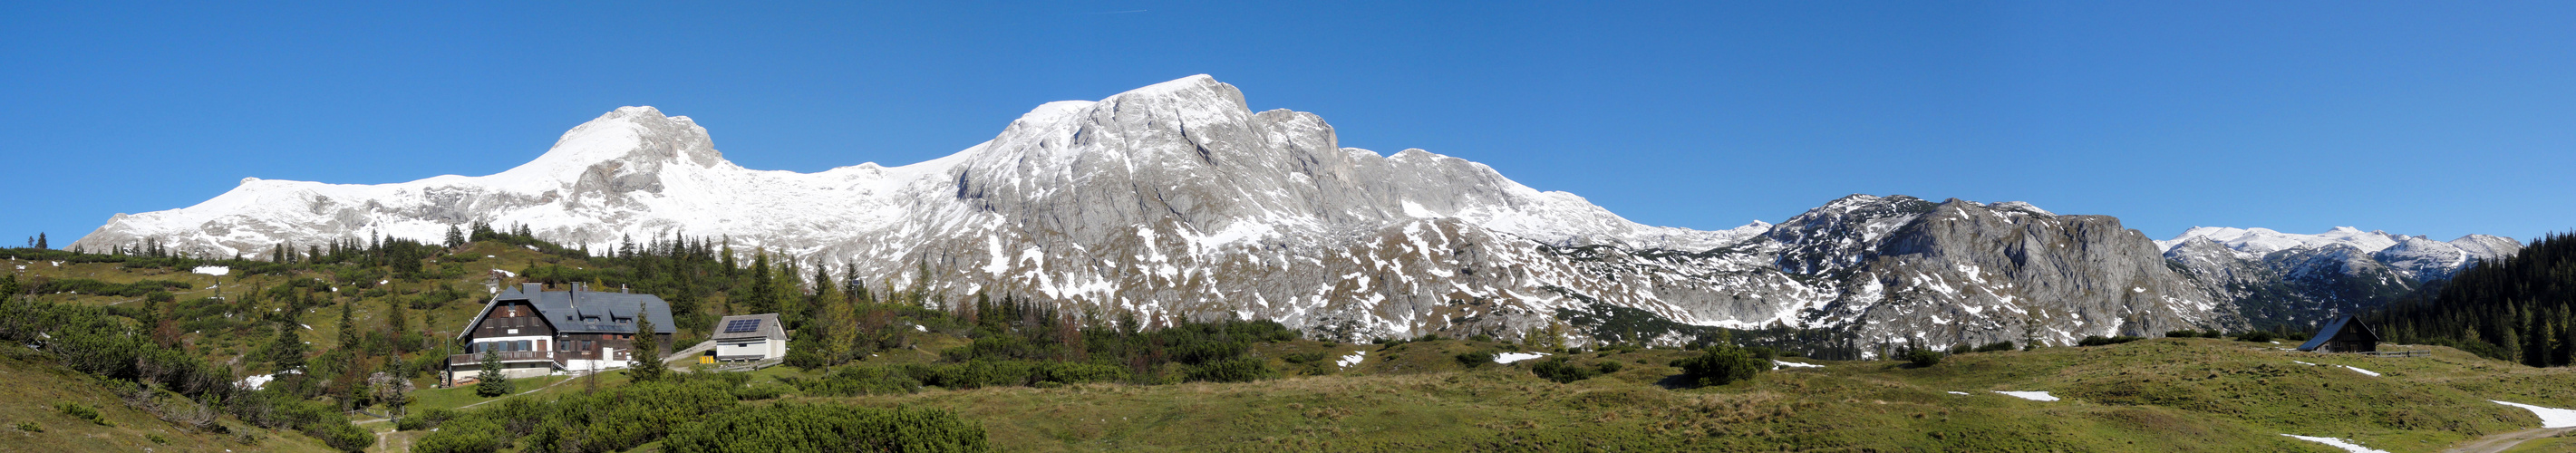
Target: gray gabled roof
769,328
2335,327
584,311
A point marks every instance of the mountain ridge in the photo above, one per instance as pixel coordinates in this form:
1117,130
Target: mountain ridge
1176,199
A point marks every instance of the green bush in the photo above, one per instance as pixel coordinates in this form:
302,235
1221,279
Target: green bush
1999,346
2185,333
855,380
30,427
1922,357
1608,367
1244,369
1722,364
472,435
1961,348
1473,359
793,427
1558,369
79,411
2098,340
2259,336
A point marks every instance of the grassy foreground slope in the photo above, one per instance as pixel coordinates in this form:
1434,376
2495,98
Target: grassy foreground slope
2155,395
33,388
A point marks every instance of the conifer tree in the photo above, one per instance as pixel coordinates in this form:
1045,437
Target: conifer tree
455,237
790,294
648,349
763,292
40,241
2535,349
493,382
838,321
287,352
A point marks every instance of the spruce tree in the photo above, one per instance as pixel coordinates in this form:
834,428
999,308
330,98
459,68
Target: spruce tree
455,237
648,350
790,295
287,353
40,242
764,292
2566,352
2535,348
839,323
493,383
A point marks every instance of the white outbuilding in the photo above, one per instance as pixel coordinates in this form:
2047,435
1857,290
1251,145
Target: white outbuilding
750,338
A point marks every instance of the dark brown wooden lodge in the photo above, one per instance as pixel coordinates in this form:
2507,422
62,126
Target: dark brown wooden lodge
535,332
2343,334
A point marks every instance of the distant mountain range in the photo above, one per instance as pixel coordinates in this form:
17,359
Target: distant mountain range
1177,200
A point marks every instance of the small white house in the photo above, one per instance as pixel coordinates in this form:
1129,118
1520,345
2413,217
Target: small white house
750,338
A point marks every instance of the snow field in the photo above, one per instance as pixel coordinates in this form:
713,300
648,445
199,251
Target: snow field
1353,359
1510,357
211,270
1775,364
2550,417
2339,443
2033,396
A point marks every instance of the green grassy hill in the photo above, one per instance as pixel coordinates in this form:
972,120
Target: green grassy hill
34,389
2154,395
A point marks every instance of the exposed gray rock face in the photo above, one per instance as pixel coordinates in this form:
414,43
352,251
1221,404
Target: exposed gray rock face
1178,200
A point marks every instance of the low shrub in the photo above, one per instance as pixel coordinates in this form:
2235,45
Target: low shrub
2259,336
1999,346
1473,359
2098,340
1722,364
788,427
1922,357
79,411
1559,370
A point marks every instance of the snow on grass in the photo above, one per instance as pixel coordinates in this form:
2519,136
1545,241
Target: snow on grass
1779,364
2033,396
1955,392
1353,359
2550,417
214,270
1510,357
2303,363
2362,371
2339,443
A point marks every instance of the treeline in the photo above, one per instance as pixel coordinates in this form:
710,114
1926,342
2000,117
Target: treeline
2521,309
1019,342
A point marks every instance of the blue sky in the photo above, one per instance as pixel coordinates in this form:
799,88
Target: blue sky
2440,119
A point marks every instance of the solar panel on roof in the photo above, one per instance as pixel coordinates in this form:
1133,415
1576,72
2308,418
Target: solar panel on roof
742,325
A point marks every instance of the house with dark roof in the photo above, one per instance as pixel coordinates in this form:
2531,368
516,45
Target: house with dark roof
2343,334
750,338
535,332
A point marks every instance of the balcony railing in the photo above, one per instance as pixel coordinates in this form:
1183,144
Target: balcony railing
506,357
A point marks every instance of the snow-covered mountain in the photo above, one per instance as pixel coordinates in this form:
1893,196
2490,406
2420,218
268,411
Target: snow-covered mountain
1176,199
2416,258
2296,278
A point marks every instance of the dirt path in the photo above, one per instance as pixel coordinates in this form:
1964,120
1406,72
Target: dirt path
2501,442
